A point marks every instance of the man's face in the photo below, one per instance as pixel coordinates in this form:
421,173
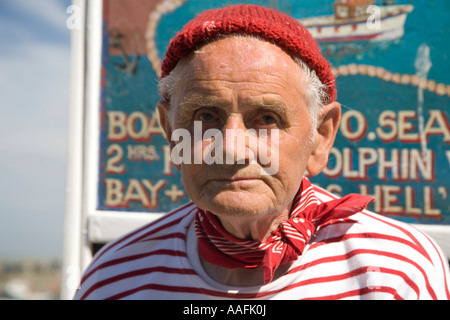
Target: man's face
244,84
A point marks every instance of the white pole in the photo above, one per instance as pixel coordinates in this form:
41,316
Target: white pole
92,97
71,269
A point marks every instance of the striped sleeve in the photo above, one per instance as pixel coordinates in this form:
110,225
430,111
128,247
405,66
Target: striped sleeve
417,267
123,262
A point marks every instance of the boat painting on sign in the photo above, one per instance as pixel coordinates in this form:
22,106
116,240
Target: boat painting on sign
356,20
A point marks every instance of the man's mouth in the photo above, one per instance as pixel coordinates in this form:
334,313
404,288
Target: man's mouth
232,179
236,181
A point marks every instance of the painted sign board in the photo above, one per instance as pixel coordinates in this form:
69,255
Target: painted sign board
395,132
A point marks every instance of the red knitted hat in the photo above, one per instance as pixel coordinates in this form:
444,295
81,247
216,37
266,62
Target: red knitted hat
266,23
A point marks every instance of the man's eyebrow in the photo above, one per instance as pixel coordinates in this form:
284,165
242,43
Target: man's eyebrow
196,101
273,105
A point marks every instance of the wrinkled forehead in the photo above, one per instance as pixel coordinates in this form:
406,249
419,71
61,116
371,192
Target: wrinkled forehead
239,69
241,48
241,54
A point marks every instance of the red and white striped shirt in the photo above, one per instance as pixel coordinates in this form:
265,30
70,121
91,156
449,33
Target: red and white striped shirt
365,256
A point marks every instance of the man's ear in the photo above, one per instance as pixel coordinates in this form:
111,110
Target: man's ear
164,109
164,118
328,126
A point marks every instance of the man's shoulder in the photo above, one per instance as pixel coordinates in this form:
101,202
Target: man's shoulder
385,245
166,227
370,225
367,225
163,238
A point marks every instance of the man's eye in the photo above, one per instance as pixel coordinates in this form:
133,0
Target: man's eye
206,117
267,120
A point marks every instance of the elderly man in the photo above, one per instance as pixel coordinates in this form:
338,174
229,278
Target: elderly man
253,73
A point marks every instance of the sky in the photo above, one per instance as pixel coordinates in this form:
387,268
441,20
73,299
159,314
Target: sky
34,101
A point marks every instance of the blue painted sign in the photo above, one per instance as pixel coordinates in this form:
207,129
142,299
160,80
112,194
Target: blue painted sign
391,63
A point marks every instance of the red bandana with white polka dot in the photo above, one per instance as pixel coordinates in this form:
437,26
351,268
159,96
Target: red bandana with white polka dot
285,244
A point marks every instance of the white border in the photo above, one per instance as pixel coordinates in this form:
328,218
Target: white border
103,227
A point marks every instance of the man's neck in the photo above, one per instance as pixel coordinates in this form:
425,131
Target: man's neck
247,228
240,277
256,228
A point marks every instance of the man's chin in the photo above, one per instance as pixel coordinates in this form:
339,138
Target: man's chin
238,203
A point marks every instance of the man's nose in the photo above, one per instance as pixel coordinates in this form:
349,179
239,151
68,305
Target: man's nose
237,142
